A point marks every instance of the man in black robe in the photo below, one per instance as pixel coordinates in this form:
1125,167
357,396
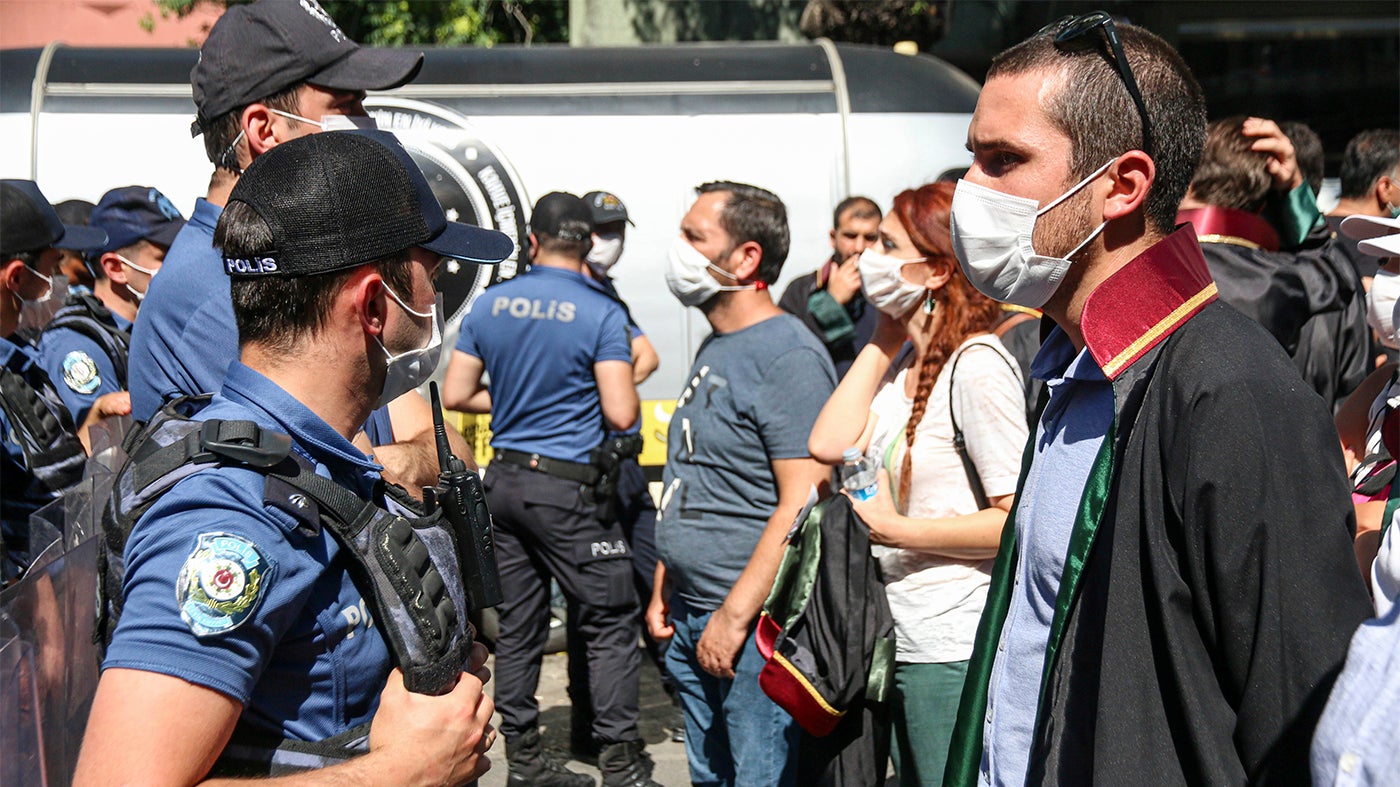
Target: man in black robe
1176,589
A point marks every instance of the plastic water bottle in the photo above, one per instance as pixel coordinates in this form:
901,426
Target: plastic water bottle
858,475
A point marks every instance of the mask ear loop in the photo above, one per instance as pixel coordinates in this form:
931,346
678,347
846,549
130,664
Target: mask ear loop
1075,189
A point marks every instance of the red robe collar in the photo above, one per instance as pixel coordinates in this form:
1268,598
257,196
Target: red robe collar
1145,301
1226,225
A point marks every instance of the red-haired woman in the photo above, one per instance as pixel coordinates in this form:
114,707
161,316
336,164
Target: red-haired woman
935,542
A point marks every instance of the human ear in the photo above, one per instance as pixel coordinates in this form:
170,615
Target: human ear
10,273
371,303
257,128
751,254
939,272
114,269
1131,177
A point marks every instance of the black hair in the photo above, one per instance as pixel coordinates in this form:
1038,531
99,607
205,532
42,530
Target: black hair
222,131
278,311
1368,156
754,214
859,208
1307,146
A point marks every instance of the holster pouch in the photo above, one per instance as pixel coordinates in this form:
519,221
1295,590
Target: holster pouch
608,458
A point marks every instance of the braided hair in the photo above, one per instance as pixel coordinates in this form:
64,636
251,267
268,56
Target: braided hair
959,311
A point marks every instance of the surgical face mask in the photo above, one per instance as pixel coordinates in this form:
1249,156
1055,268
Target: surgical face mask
140,294
332,122
688,275
1381,304
607,248
882,281
992,239
35,313
411,368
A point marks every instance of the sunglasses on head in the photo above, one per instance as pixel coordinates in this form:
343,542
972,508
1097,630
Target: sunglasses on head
1077,33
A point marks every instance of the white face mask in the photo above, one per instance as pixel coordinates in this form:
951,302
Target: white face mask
411,368
35,313
1381,303
607,248
332,122
140,294
883,283
687,274
992,239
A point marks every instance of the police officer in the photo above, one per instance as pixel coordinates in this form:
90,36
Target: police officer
558,355
40,454
242,620
86,345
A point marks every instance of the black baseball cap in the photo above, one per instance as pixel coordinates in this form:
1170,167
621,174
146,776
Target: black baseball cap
134,213
606,207
337,200
257,50
28,222
554,210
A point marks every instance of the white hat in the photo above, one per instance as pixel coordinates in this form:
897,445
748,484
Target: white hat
1379,236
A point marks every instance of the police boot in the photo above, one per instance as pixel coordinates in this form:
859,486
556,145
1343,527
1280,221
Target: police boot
531,766
626,764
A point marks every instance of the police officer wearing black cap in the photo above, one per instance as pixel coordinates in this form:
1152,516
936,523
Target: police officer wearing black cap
41,454
558,356
255,631
85,347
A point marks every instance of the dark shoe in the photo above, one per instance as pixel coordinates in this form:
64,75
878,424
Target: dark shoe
675,725
531,766
626,764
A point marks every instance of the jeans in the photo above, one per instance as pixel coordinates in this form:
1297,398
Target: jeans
734,734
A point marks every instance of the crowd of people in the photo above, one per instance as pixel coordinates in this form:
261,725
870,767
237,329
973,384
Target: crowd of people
1132,398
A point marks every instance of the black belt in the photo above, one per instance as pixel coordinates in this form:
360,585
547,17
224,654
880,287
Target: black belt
572,471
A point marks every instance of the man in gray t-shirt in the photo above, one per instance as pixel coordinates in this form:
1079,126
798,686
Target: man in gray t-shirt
737,474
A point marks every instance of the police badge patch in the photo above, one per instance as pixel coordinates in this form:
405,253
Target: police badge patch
80,372
221,584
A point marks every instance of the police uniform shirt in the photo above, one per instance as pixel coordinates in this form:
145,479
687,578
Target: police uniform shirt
233,594
79,368
187,336
539,336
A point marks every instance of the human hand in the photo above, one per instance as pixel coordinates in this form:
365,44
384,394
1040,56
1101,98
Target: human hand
1283,160
430,740
476,663
720,643
108,405
889,334
879,514
844,284
658,615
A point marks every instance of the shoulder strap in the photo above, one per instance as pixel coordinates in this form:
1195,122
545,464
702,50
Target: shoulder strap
86,315
959,442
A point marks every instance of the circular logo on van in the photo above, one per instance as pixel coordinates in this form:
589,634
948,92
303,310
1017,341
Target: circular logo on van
474,182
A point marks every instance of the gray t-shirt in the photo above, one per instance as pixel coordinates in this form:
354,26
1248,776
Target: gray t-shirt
753,396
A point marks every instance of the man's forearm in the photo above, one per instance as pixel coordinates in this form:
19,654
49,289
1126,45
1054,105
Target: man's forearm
746,598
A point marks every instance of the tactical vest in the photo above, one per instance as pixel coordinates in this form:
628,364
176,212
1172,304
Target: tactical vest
42,427
407,566
86,315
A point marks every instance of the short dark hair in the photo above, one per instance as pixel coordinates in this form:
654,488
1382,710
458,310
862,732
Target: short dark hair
575,249
754,214
859,208
1094,109
278,311
1368,156
1230,174
220,133
30,257
1307,146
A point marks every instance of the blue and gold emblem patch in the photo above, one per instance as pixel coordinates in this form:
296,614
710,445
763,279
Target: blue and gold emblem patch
221,583
80,372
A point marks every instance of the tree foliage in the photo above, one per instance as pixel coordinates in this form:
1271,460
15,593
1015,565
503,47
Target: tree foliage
433,22
881,22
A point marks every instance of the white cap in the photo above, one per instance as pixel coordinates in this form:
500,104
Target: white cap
1379,236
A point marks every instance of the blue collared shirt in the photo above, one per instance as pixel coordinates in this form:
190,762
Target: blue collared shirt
1071,431
225,591
186,337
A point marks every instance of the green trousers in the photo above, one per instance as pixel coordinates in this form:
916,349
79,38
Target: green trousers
924,709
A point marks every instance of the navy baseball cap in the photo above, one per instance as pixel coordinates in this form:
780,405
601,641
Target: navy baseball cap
135,213
606,207
562,215
255,51
29,222
345,198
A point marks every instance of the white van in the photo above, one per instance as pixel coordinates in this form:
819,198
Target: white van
494,129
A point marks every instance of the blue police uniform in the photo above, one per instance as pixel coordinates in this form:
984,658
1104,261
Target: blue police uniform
225,591
538,337
187,336
80,368
23,492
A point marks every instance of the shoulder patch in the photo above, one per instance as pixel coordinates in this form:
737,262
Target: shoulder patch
221,584
80,372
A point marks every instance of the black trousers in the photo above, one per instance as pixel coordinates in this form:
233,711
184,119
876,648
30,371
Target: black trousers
545,526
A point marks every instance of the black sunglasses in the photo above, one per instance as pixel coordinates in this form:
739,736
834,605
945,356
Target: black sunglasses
1076,33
